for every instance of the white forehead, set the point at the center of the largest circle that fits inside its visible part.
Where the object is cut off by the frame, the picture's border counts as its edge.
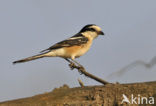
(97, 28)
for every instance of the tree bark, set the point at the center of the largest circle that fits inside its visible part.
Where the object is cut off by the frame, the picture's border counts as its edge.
(104, 95)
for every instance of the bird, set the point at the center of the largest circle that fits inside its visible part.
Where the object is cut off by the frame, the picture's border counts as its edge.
(70, 48)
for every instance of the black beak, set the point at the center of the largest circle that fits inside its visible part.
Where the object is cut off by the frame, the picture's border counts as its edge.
(101, 33)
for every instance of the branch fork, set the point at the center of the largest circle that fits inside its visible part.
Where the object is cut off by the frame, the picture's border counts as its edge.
(82, 70)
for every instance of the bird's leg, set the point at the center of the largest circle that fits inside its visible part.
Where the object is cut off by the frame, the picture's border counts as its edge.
(71, 65)
(79, 67)
(77, 63)
(68, 60)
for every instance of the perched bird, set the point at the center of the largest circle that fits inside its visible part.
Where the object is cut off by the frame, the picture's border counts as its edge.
(72, 47)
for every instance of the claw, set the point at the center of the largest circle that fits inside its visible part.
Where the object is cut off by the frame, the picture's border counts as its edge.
(71, 65)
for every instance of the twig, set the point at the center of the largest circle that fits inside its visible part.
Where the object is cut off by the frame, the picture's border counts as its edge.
(81, 83)
(82, 70)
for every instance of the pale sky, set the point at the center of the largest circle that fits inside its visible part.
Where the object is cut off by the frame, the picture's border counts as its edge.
(29, 26)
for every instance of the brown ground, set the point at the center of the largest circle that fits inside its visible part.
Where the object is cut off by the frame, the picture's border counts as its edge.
(108, 95)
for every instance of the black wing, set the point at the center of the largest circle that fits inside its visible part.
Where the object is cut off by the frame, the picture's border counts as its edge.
(77, 39)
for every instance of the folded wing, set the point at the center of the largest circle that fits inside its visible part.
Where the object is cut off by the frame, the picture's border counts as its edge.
(78, 40)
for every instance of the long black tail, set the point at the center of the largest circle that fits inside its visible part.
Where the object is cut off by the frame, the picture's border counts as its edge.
(29, 58)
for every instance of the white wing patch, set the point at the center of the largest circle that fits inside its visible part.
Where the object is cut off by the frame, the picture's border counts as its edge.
(72, 38)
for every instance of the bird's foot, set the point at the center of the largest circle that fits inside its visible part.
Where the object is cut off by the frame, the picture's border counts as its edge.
(72, 65)
(79, 67)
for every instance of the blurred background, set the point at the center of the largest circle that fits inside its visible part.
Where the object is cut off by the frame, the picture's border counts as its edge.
(125, 54)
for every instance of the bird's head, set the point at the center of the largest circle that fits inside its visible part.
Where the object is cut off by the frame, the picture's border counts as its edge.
(91, 30)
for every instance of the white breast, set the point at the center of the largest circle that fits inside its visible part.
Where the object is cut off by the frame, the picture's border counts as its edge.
(84, 49)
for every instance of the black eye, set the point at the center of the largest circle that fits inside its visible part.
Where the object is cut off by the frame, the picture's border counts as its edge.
(92, 29)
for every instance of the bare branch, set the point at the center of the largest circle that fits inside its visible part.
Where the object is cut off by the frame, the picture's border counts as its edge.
(82, 70)
(81, 83)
